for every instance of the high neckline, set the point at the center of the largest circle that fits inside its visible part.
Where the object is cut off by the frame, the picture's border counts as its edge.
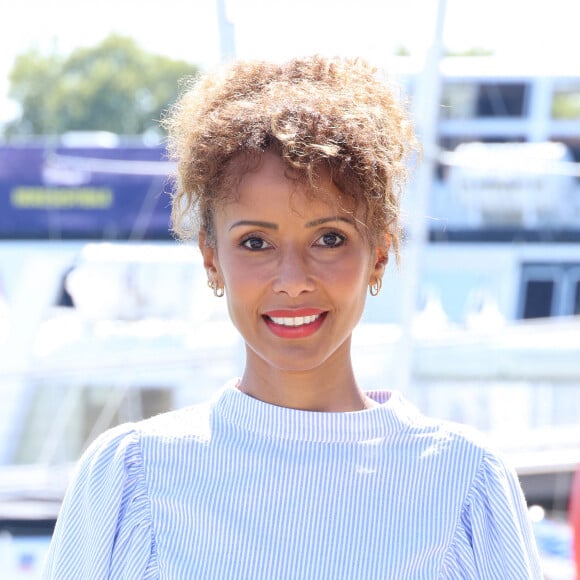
(253, 415)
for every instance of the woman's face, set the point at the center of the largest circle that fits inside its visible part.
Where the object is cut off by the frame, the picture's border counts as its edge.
(296, 269)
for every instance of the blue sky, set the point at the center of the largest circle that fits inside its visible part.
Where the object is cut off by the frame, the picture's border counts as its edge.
(515, 29)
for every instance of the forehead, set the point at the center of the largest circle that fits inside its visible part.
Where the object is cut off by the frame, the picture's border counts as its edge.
(267, 179)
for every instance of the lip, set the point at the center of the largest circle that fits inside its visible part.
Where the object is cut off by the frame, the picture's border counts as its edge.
(302, 331)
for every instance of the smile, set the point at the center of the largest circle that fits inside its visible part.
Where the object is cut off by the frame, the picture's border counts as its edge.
(295, 324)
(294, 320)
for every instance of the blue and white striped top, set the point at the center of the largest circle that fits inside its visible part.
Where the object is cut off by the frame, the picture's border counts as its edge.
(237, 488)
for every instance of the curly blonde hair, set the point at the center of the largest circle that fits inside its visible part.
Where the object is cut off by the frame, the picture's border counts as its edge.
(314, 112)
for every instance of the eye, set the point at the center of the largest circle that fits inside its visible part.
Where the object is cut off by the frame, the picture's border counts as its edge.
(255, 243)
(331, 240)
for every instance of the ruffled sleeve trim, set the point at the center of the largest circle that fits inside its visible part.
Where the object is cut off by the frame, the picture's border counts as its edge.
(494, 537)
(104, 529)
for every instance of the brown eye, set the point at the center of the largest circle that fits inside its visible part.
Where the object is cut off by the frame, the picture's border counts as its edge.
(331, 240)
(255, 243)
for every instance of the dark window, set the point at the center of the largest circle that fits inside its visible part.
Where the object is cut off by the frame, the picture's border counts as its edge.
(538, 298)
(501, 100)
(550, 289)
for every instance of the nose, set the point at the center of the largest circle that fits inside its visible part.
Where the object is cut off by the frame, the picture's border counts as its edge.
(293, 276)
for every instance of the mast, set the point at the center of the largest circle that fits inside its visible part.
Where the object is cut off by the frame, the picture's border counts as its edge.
(226, 31)
(426, 104)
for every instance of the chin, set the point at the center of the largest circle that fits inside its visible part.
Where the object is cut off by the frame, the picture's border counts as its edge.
(297, 360)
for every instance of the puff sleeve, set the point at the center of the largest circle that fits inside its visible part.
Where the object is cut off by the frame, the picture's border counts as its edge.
(494, 537)
(104, 527)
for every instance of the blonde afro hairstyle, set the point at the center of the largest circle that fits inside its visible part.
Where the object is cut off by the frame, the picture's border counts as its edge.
(314, 112)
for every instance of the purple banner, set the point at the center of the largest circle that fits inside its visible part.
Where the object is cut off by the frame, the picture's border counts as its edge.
(84, 193)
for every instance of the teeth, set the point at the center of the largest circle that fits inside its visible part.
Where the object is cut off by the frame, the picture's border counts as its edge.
(295, 320)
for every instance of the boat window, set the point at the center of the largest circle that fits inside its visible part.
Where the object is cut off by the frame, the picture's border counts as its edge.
(566, 100)
(104, 407)
(463, 100)
(539, 299)
(81, 414)
(501, 100)
(550, 290)
(574, 290)
(457, 100)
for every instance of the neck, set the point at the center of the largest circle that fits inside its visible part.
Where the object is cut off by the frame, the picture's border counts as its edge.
(329, 388)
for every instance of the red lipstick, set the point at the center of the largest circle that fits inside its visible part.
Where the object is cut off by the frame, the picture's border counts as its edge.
(288, 328)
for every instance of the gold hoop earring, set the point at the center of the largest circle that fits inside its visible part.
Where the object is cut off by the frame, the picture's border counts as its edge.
(375, 288)
(218, 291)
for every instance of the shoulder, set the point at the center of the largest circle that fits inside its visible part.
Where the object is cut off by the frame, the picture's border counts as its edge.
(104, 522)
(470, 461)
(120, 448)
(115, 445)
(438, 436)
(453, 451)
(118, 462)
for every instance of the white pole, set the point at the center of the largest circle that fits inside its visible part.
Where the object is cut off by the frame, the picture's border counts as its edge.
(226, 30)
(426, 103)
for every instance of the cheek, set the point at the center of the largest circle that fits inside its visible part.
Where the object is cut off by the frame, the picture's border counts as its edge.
(353, 271)
(240, 277)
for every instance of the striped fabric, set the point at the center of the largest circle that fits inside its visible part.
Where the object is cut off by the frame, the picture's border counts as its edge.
(237, 488)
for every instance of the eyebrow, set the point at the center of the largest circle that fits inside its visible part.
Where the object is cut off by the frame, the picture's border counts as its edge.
(273, 226)
(258, 224)
(334, 218)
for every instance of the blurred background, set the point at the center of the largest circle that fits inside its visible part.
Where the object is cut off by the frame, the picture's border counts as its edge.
(105, 318)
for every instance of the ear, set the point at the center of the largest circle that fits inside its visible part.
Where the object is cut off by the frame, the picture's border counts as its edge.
(381, 256)
(210, 260)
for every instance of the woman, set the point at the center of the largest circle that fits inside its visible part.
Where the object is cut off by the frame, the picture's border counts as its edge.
(290, 176)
